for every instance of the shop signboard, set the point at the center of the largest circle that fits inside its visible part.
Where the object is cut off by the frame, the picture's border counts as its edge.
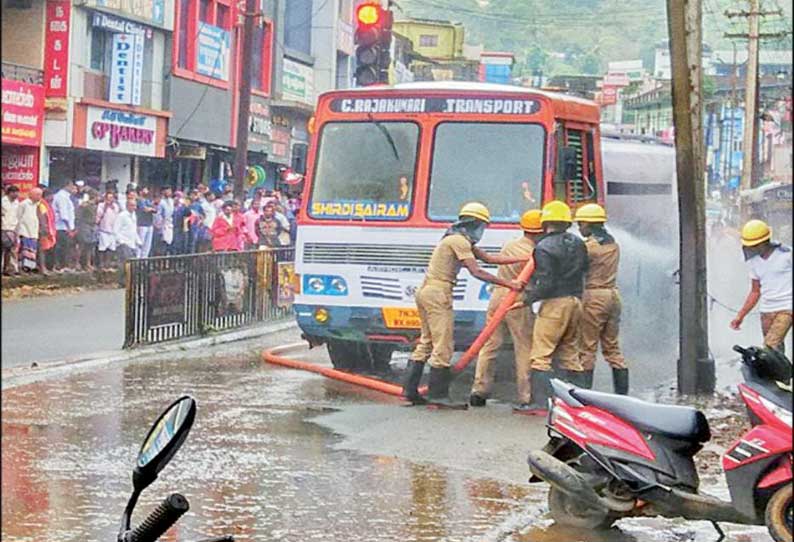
(126, 70)
(56, 47)
(609, 95)
(120, 131)
(147, 10)
(23, 113)
(298, 82)
(214, 44)
(119, 25)
(20, 166)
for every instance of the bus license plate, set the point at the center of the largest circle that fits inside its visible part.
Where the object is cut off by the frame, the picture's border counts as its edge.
(401, 318)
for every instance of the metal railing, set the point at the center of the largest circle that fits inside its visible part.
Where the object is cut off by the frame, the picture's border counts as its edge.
(174, 297)
(26, 74)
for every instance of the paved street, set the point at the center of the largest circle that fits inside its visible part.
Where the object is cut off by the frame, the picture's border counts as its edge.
(61, 326)
(278, 454)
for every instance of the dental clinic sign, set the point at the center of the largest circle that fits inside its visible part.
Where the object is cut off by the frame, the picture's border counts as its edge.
(120, 131)
(126, 69)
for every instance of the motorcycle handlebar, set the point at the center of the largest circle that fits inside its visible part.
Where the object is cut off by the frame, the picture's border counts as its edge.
(160, 519)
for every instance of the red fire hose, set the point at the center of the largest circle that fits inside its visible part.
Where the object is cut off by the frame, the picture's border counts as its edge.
(274, 355)
(498, 316)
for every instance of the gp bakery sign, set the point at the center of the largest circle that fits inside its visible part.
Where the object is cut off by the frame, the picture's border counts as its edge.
(120, 131)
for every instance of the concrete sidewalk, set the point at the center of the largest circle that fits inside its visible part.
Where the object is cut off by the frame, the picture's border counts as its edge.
(58, 327)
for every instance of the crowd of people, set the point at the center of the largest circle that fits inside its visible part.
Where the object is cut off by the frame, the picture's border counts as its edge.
(77, 228)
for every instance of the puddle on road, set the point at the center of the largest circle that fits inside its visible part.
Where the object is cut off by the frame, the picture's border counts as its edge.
(254, 466)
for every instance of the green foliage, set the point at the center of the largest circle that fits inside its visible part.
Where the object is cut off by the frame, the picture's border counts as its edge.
(578, 36)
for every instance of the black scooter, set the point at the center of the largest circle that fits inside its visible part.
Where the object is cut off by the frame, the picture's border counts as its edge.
(164, 439)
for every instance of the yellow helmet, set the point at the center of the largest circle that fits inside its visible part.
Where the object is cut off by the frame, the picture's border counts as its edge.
(755, 232)
(555, 211)
(475, 210)
(592, 213)
(530, 221)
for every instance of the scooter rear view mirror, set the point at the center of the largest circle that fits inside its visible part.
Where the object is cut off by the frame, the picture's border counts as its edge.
(163, 440)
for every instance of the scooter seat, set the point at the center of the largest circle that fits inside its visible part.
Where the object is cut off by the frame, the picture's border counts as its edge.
(678, 422)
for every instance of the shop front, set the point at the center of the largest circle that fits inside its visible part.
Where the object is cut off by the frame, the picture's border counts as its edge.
(23, 117)
(111, 145)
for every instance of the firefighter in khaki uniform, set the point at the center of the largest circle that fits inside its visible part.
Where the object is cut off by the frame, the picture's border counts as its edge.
(518, 322)
(434, 301)
(555, 294)
(601, 304)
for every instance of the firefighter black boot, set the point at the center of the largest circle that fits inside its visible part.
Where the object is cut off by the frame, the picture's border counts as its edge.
(587, 380)
(540, 383)
(413, 376)
(577, 378)
(438, 389)
(620, 381)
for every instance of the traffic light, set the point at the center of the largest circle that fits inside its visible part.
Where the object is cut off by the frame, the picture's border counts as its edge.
(373, 40)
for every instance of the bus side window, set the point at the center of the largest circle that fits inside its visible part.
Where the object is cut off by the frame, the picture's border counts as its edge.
(565, 167)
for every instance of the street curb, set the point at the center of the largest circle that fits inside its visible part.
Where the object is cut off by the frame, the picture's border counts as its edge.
(19, 376)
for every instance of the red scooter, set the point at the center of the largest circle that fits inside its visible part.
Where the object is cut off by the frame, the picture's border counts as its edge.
(612, 456)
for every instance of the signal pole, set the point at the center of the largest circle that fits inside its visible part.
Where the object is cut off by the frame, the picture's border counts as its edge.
(695, 366)
(244, 104)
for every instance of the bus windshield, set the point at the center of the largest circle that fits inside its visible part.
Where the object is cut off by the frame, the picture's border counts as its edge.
(365, 170)
(497, 164)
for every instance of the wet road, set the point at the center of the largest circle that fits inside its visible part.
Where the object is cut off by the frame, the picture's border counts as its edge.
(57, 327)
(277, 454)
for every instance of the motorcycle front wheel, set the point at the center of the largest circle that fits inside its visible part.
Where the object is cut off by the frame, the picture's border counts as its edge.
(779, 516)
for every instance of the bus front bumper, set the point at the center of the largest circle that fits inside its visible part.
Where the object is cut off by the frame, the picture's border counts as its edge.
(366, 324)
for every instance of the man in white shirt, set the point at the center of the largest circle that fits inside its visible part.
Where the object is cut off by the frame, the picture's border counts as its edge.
(28, 229)
(769, 266)
(63, 206)
(125, 230)
(10, 221)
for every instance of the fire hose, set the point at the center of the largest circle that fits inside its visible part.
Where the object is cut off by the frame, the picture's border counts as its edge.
(274, 355)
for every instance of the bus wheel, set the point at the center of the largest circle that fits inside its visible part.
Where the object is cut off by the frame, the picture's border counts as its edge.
(344, 354)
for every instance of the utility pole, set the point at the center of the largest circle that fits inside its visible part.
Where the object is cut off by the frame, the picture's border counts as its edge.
(244, 106)
(734, 79)
(695, 366)
(751, 85)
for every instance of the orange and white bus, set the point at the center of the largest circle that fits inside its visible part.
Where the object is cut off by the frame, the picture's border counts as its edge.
(388, 170)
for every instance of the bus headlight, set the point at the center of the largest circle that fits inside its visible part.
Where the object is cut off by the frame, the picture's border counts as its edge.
(324, 285)
(485, 292)
(316, 285)
(339, 285)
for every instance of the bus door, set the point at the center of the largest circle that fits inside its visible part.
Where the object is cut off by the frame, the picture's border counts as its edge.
(576, 178)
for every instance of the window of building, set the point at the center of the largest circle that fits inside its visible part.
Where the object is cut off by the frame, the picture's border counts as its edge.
(262, 57)
(197, 22)
(428, 40)
(298, 26)
(101, 42)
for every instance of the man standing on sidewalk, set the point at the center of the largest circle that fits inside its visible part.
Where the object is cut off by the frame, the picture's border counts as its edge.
(125, 230)
(518, 322)
(28, 229)
(145, 216)
(770, 267)
(64, 226)
(10, 221)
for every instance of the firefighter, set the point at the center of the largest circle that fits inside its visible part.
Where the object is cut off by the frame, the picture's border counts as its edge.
(434, 300)
(601, 303)
(555, 295)
(518, 322)
(769, 266)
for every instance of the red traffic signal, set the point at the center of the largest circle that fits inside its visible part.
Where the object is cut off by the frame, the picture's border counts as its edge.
(368, 14)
